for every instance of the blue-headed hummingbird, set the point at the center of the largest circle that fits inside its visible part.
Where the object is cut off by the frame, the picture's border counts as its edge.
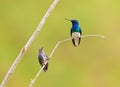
(75, 32)
(42, 57)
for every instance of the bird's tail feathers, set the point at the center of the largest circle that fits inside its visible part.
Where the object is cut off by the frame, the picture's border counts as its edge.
(76, 41)
(46, 67)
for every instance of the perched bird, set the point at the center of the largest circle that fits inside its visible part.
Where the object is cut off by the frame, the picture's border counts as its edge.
(42, 57)
(75, 32)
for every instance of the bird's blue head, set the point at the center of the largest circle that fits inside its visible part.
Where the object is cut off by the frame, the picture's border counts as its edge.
(74, 22)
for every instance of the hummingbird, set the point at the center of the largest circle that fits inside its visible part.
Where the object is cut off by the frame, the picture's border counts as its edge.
(42, 57)
(75, 32)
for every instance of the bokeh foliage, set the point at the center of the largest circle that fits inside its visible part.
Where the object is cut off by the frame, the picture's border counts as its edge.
(95, 63)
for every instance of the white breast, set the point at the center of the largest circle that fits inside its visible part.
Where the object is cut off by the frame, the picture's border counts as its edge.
(75, 34)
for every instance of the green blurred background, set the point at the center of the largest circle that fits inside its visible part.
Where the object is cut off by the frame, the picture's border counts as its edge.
(95, 63)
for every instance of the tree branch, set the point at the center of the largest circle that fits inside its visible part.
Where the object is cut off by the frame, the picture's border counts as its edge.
(58, 43)
(51, 54)
(25, 48)
(93, 35)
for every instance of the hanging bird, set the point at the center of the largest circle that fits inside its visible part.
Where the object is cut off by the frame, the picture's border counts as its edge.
(75, 32)
(42, 57)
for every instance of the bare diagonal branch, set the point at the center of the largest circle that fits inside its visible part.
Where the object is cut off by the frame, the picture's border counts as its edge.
(51, 54)
(58, 43)
(27, 45)
(33, 81)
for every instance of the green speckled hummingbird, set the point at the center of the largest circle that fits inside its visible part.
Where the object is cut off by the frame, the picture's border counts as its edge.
(75, 32)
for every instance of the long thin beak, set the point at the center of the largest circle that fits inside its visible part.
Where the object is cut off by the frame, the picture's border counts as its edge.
(67, 19)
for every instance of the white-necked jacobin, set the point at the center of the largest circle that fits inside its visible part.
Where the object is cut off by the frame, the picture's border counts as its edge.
(42, 57)
(75, 32)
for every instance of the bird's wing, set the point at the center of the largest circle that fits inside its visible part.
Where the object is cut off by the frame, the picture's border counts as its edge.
(80, 31)
(45, 56)
(41, 59)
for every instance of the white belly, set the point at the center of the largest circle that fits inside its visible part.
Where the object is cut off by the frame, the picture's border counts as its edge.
(76, 36)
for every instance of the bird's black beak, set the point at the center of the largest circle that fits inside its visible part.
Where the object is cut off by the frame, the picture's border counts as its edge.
(68, 19)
